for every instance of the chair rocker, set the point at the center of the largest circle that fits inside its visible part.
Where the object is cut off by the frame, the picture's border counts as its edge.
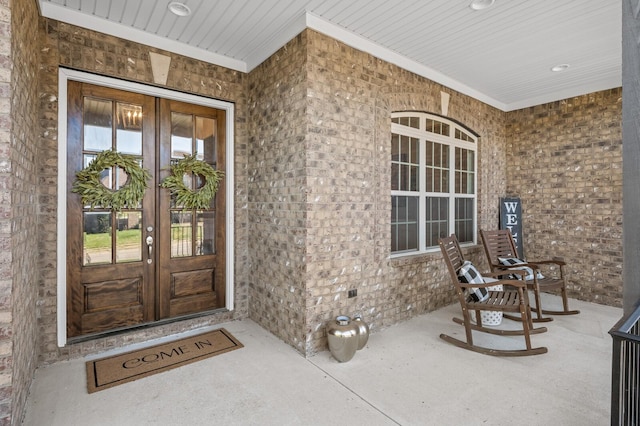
(499, 245)
(507, 301)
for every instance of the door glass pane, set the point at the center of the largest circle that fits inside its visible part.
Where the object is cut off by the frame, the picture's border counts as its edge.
(181, 135)
(206, 235)
(181, 234)
(97, 238)
(188, 182)
(129, 237)
(105, 175)
(98, 120)
(129, 129)
(205, 139)
(121, 178)
(88, 159)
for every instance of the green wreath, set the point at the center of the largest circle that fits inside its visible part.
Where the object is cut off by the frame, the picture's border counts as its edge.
(188, 198)
(94, 193)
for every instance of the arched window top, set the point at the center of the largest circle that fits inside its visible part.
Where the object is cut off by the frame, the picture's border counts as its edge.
(432, 123)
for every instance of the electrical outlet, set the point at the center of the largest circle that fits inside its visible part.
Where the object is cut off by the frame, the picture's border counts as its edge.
(353, 293)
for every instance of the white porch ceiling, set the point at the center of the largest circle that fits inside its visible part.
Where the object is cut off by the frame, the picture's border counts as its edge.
(501, 55)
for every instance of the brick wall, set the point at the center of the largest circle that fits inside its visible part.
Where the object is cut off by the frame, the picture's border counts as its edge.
(6, 183)
(18, 220)
(74, 47)
(319, 189)
(565, 162)
(351, 97)
(278, 199)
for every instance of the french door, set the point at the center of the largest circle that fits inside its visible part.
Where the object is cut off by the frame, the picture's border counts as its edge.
(158, 260)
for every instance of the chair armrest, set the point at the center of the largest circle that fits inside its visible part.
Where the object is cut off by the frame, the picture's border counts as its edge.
(549, 262)
(512, 269)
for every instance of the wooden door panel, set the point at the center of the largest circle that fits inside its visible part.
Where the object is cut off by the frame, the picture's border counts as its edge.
(112, 294)
(191, 283)
(193, 290)
(191, 304)
(190, 280)
(106, 294)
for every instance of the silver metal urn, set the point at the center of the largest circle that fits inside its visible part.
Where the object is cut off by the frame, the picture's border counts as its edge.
(363, 331)
(343, 338)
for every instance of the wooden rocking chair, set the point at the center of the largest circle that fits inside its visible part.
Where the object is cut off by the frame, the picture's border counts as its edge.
(515, 301)
(500, 245)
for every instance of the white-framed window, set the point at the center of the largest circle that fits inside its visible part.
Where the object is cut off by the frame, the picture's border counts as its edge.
(433, 182)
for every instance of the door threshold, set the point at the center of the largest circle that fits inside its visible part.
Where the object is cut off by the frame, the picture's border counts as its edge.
(123, 330)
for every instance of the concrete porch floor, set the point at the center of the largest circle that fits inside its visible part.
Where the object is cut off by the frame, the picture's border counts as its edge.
(406, 375)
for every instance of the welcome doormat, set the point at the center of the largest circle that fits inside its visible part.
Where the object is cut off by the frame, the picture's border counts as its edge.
(118, 369)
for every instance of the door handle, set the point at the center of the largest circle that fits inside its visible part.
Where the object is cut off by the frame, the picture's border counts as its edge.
(149, 247)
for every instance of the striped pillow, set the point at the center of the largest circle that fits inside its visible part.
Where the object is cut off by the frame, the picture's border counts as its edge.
(508, 261)
(469, 274)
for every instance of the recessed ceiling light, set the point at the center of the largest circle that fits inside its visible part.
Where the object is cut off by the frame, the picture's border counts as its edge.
(560, 68)
(481, 4)
(179, 9)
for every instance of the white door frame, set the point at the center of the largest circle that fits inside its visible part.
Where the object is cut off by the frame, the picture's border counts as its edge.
(64, 75)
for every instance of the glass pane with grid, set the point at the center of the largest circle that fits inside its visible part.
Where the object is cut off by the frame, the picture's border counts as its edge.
(464, 219)
(404, 223)
(404, 163)
(437, 222)
(437, 167)
(465, 173)
(436, 126)
(110, 125)
(459, 134)
(407, 121)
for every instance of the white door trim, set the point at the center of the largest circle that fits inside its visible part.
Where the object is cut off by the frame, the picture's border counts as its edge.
(64, 75)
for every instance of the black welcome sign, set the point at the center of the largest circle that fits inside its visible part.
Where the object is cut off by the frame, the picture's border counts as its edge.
(511, 219)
